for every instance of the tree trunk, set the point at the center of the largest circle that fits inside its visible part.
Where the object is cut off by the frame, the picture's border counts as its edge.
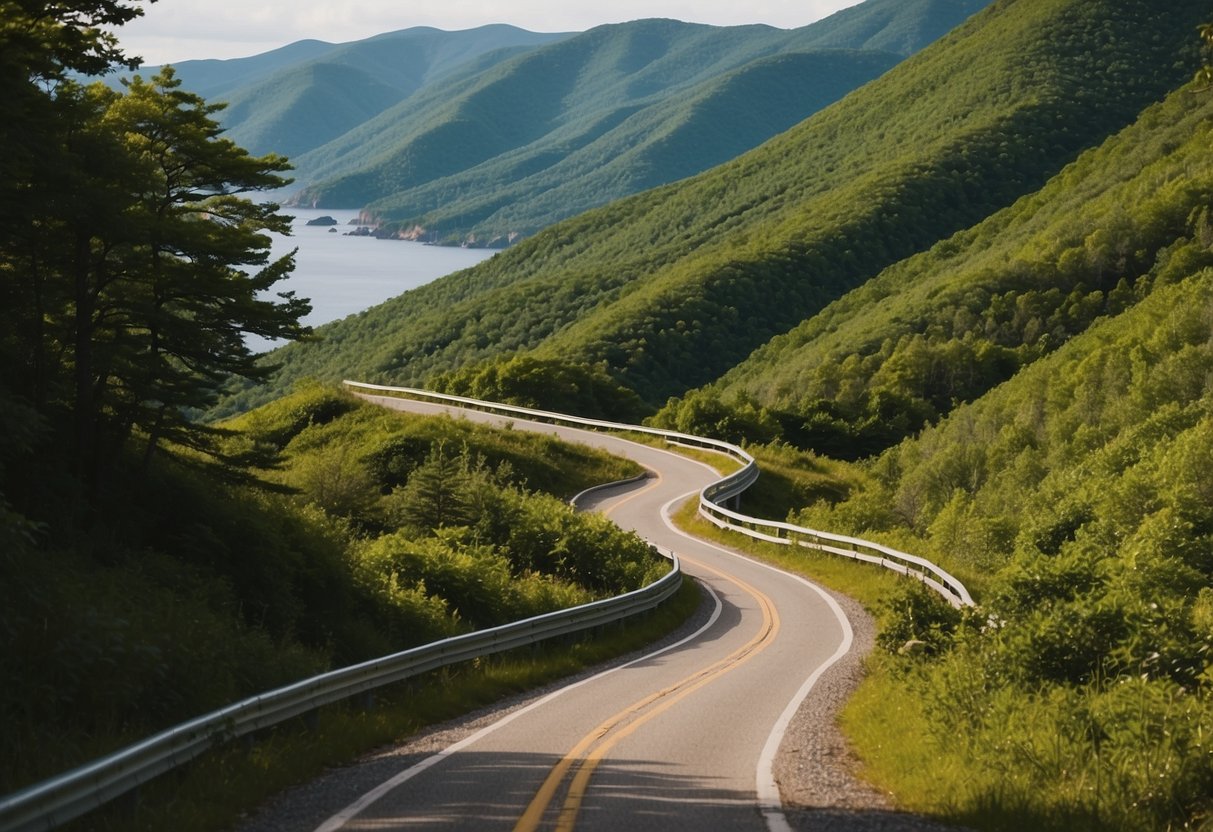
(85, 405)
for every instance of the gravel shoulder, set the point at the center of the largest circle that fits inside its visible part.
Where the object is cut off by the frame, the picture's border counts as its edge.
(817, 771)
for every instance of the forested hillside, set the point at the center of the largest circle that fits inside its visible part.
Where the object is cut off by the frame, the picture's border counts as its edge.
(366, 533)
(486, 135)
(1075, 496)
(893, 25)
(304, 95)
(305, 106)
(671, 288)
(598, 116)
(986, 277)
(946, 326)
(628, 148)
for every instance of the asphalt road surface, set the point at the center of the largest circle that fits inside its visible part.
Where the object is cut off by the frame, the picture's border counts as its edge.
(679, 739)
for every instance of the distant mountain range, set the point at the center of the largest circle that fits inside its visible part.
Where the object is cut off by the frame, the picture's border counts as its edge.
(297, 98)
(492, 134)
(671, 288)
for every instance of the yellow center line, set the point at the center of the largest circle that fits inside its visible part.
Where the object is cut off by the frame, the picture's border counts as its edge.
(654, 484)
(587, 757)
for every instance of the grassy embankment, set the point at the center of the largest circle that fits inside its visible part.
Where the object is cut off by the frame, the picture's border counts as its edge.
(198, 589)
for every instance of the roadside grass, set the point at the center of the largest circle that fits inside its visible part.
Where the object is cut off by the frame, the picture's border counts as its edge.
(883, 720)
(718, 461)
(891, 734)
(224, 785)
(865, 583)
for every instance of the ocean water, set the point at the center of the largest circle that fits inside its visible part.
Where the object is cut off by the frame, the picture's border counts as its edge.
(343, 275)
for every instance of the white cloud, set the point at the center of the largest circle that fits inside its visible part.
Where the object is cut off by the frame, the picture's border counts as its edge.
(178, 30)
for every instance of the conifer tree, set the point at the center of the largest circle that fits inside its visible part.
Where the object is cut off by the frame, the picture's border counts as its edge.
(132, 263)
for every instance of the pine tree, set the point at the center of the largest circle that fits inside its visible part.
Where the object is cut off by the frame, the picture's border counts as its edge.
(132, 263)
(436, 493)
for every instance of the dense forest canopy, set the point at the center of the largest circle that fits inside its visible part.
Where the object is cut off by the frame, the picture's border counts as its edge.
(671, 288)
(948, 325)
(520, 138)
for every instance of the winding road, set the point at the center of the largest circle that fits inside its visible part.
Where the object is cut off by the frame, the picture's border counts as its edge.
(681, 738)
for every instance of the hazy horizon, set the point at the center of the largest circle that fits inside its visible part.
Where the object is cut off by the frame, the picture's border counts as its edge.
(185, 30)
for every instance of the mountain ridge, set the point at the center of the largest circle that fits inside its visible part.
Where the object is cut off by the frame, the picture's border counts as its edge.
(402, 177)
(670, 288)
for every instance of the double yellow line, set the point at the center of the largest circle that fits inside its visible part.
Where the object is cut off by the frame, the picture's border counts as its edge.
(585, 756)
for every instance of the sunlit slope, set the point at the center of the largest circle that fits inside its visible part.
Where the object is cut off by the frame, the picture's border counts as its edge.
(632, 148)
(938, 143)
(902, 26)
(1078, 493)
(947, 325)
(673, 287)
(538, 107)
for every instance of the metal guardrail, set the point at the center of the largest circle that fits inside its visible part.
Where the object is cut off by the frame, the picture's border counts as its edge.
(53, 802)
(712, 497)
(58, 800)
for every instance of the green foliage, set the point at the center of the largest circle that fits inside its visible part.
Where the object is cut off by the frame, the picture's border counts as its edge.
(915, 621)
(131, 276)
(1084, 700)
(191, 591)
(607, 113)
(544, 383)
(1075, 493)
(892, 25)
(474, 583)
(672, 287)
(653, 131)
(703, 414)
(281, 421)
(436, 493)
(303, 104)
(944, 327)
(1205, 73)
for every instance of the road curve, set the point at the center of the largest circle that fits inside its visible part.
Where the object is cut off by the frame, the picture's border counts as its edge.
(681, 738)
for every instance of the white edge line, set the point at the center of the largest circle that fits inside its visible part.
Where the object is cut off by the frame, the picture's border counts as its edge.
(770, 804)
(769, 801)
(347, 814)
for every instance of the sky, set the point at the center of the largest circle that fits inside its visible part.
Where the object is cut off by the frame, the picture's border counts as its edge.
(172, 31)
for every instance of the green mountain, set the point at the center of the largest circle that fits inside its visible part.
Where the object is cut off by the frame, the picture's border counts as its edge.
(631, 149)
(604, 114)
(671, 288)
(305, 106)
(304, 95)
(1075, 496)
(893, 25)
(947, 325)
(218, 78)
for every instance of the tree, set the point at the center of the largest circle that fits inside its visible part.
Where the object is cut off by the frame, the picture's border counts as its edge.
(1205, 73)
(131, 261)
(436, 493)
(186, 300)
(41, 44)
(154, 266)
